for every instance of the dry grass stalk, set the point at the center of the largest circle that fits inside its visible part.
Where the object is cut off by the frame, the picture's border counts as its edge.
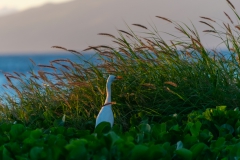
(230, 4)
(164, 18)
(207, 24)
(125, 32)
(105, 66)
(106, 34)
(228, 17)
(149, 85)
(173, 44)
(16, 90)
(73, 64)
(168, 89)
(100, 91)
(237, 59)
(14, 77)
(58, 61)
(35, 77)
(5, 86)
(60, 83)
(17, 74)
(8, 79)
(208, 19)
(73, 51)
(80, 84)
(140, 48)
(210, 31)
(49, 73)
(188, 54)
(196, 41)
(238, 27)
(225, 26)
(228, 28)
(123, 45)
(125, 52)
(139, 25)
(171, 83)
(106, 55)
(151, 48)
(32, 62)
(57, 76)
(42, 75)
(180, 30)
(66, 67)
(150, 41)
(193, 33)
(59, 47)
(92, 48)
(46, 66)
(102, 46)
(61, 60)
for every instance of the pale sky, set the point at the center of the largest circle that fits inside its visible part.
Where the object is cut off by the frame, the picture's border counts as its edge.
(22, 32)
(9, 6)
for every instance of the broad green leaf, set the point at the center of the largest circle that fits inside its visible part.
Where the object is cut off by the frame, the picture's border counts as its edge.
(36, 133)
(158, 130)
(77, 149)
(158, 152)
(205, 135)
(70, 132)
(218, 145)
(36, 152)
(139, 152)
(235, 151)
(196, 128)
(5, 127)
(16, 130)
(6, 154)
(13, 147)
(29, 141)
(208, 114)
(188, 126)
(197, 149)
(189, 140)
(145, 128)
(184, 154)
(175, 127)
(102, 128)
(163, 127)
(221, 108)
(113, 136)
(22, 157)
(228, 127)
(140, 138)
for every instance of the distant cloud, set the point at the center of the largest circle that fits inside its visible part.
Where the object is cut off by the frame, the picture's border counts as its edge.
(7, 10)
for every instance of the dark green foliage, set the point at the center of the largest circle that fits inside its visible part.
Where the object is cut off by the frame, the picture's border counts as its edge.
(191, 139)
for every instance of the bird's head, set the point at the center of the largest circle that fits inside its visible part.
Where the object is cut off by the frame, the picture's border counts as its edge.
(112, 78)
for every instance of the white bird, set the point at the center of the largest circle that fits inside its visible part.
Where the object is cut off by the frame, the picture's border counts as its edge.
(106, 114)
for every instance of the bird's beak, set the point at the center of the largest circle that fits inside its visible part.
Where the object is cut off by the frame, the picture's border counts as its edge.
(119, 78)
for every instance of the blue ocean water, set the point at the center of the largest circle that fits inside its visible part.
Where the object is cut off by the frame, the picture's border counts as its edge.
(22, 64)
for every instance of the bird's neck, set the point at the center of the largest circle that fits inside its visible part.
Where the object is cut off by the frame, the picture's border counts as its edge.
(108, 89)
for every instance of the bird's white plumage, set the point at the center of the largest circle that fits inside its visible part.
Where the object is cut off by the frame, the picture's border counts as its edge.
(106, 114)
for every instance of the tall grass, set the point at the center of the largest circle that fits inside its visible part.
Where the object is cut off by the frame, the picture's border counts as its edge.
(159, 78)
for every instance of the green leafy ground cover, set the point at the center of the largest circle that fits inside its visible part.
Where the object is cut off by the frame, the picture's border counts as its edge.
(165, 104)
(212, 134)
